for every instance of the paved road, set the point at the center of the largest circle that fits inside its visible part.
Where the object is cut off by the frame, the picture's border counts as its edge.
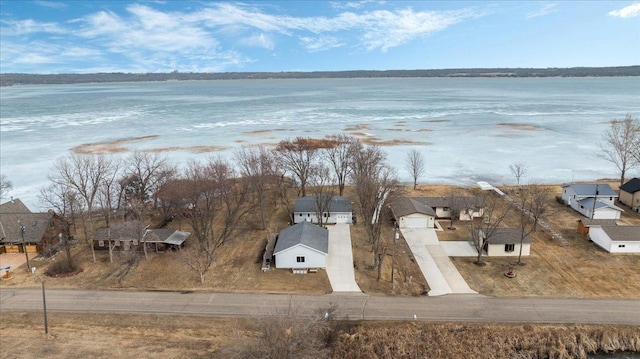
(340, 259)
(467, 307)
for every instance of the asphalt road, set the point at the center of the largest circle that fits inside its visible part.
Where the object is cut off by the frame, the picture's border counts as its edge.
(453, 307)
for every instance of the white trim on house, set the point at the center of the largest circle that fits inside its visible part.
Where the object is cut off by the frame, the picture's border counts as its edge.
(290, 258)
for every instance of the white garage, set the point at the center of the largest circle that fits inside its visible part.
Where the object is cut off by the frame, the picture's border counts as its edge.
(411, 213)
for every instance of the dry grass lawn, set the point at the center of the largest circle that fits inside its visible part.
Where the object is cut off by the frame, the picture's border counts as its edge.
(579, 270)
(115, 336)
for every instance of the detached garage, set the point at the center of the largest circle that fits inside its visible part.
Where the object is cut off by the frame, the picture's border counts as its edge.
(411, 213)
(616, 239)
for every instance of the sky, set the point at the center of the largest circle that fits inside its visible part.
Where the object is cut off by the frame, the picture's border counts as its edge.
(48, 36)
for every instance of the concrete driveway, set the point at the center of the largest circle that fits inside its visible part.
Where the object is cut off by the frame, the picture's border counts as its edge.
(340, 260)
(438, 270)
(14, 260)
(459, 249)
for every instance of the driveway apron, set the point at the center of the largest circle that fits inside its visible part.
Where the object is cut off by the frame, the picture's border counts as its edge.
(340, 260)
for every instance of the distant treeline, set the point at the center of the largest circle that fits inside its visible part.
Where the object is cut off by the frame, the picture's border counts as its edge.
(24, 79)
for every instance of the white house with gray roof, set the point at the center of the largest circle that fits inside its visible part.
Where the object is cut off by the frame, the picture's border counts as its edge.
(616, 239)
(505, 242)
(410, 212)
(302, 246)
(595, 201)
(340, 210)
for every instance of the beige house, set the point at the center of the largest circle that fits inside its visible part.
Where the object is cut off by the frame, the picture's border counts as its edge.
(630, 194)
(505, 242)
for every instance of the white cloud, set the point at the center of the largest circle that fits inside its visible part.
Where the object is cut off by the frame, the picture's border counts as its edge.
(545, 9)
(629, 11)
(258, 40)
(26, 27)
(322, 43)
(51, 4)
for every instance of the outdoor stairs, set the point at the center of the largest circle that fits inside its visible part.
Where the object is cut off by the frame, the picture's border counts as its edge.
(554, 234)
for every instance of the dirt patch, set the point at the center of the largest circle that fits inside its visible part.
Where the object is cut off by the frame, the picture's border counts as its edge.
(116, 146)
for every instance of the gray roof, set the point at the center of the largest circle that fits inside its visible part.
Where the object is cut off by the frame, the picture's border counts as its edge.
(35, 227)
(507, 236)
(309, 204)
(126, 231)
(404, 206)
(623, 233)
(588, 222)
(166, 235)
(589, 189)
(304, 233)
(632, 186)
(588, 203)
(14, 206)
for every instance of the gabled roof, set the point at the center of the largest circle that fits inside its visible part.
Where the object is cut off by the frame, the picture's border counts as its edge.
(588, 203)
(589, 189)
(14, 206)
(507, 236)
(126, 231)
(632, 186)
(309, 204)
(35, 226)
(622, 233)
(304, 233)
(404, 206)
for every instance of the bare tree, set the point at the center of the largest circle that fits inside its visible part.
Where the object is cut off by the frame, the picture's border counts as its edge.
(519, 170)
(297, 156)
(321, 181)
(375, 186)
(5, 185)
(66, 204)
(620, 144)
(107, 195)
(144, 174)
(257, 166)
(339, 155)
(455, 203)
(483, 229)
(415, 165)
(84, 175)
(533, 203)
(218, 202)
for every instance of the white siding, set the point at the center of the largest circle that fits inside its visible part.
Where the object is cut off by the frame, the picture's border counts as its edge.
(416, 220)
(497, 250)
(600, 237)
(606, 213)
(335, 217)
(313, 258)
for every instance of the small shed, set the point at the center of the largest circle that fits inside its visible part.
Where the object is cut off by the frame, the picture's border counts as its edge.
(505, 242)
(586, 223)
(301, 247)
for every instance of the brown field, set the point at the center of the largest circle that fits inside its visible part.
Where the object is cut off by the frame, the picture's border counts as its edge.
(115, 336)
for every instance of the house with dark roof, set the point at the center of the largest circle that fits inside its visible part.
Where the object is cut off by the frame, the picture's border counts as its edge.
(301, 247)
(616, 239)
(505, 242)
(421, 212)
(592, 200)
(630, 194)
(337, 209)
(21, 230)
(133, 235)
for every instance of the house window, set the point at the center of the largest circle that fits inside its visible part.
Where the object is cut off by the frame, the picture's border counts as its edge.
(509, 247)
(300, 214)
(324, 215)
(101, 243)
(300, 259)
(621, 245)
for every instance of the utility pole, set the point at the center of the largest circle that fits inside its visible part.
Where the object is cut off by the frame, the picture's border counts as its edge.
(24, 244)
